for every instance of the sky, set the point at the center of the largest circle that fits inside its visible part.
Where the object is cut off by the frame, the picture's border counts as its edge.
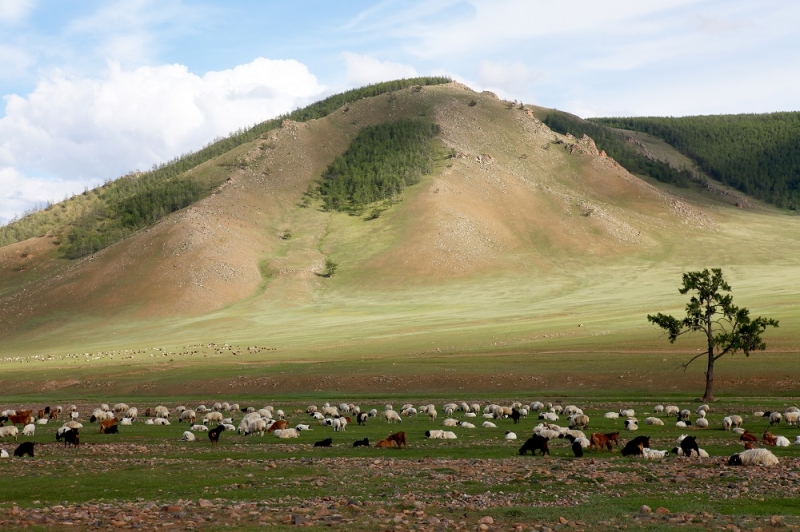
(92, 90)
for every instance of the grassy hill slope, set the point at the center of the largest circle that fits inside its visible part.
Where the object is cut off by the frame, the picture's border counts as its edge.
(526, 255)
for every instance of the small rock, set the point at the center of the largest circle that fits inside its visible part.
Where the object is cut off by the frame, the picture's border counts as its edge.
(563, 520)
(486, 520)
(776, 521)
(483, 527)
(298, 519)
(204, 503)
(645, 509)
(662, 511)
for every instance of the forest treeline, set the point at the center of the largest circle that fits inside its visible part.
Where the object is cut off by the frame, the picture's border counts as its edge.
(616, 146)
(379, 164)
(109, 213)
(758, 154)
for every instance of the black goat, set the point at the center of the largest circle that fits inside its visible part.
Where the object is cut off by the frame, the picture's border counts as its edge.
(24, 448)
(636, 446)
(324, 443)
(214, 433)
(533, 444)
(689, 444)
(361, 443)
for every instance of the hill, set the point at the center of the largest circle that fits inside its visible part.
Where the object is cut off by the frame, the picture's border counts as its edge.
(520, 255)
(756, 154)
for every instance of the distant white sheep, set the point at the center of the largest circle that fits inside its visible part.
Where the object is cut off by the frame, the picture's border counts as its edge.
(3, 453)
(126, 421)
(470, 414)
(775, 418)
(199, 428)
(42, 421)
(188, 436)
(441, 435)
(658, 409)
(466, 425)
(161, 421)
(11, 430)
(797, 440)
(513, 436)
(300, 427)
(701, 423)
(212, 417)
(488, 425)
(548, 416)
(652, 454)
(450, 422)
(781, 441)
(286, 433)
(627, 412)
(611, 415)
(392, 416)
(29, 430)
(654, 421)
(791, 418)
(731, 422)
(631, 424)
(681, 424)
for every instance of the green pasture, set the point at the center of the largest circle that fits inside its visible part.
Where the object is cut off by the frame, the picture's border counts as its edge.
(146, 462)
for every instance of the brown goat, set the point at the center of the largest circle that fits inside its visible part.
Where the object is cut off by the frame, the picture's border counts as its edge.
(399, 438)
(598, 441)
(104, 425)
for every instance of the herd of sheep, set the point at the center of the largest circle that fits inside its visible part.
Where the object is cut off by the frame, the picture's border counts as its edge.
(220, 417)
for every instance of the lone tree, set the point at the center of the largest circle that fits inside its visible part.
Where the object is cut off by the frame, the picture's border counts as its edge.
(727, 328)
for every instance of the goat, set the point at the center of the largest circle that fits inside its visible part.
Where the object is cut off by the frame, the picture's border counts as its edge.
(533, 444)
(214, 433)
(399, 438)
(598, 441)
(636, 446)
(689, 444)
(324, 443)
(24, 448)
(361, 443)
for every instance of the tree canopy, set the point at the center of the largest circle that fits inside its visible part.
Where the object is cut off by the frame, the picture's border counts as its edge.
(710, 310)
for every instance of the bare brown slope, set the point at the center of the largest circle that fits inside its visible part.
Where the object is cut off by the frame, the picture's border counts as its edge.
(515, 196)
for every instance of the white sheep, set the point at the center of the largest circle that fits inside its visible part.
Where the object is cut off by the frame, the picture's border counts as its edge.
(781, 441)
(408, 412)
(188, 436)
(132, 412)
(679, 452)
(627, 412)
(584, 442)
(126, 421)
(215, 417)
(793, 409)
(681, 424)
(432, 414)
(253, 426)
(471, 414)
(3, 453)
(548, 434)
(188, 415)
(450, 422)
(548, 416)
(671, 410)
(119, 408)
(775, 418)
(467, 425)
(513, 436)
(447, 435)
(228, 426)
(434, 434)
(42, 421)
(739, 431)
(11, 430)
(318, 416)
(216, 407)
(339, 424)
(754, 457)
(791, 418)
(161, 421)
(729, 422)
(488, 425)
(611, 415)
(199, 428)
(577, 434)
(29, 430)
(536, 406)
(300, 427)
(73, 425)
(701, 423)
(684, 414)
(654, 421)
(703, 408)
(580, 421)
(392, 416)
(491, 416)
(104, 407)
(571, 410)
(658, 409)
(149, 421)
(797, 440)
(652, 454)
(286, 433)
(631, 424)
(75, 416)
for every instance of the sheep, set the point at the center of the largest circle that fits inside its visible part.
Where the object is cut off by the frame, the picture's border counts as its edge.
(631, 424)
(658, 409)
(548, 434)
(470, 414)
(701, 423)
(681, 424)
(286, 433)
(393, 417)
(199, 428)
(229, 426)
(702, 414)
(119, 408)
(466, 425)
(627, 412)
(300, 427)
(11, 430)
(754, 457)
(374, 412)
(781, 441)
(579, 421)
(440, 435)
(362, 417)
(611, 415)
(450, 422)
(408, 412)
(654, 421)
(319, 416)
(212, 417)
(72, 425)
(652, 454)
(42, 421)
(536, 406)
(797, 440)
(775, 418)
(689, 445)
(216, 407)
(330, 411)
(488, 425)
(29, 430)
(791, 418)
(161, 421)
(793, 409)
(684, 414)
(636, 446)
(739, 430)
(548, 416)
(75, 416)
(464, 407)
(432, 414)
(253, 426)
(311, 409)
(3, 453)
(671, 410)
(703, 408)
(730, 422)
(513, 436)
(758, 413)
(188, 415)
(339, 424)
(566, 433)
(556, 409)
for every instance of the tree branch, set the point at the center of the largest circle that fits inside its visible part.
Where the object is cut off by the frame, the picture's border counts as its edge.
(686, 365)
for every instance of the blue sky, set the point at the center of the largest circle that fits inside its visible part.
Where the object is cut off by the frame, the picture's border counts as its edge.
(92, 90)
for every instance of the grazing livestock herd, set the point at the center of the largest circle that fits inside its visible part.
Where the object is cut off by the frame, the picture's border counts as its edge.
(269, 420)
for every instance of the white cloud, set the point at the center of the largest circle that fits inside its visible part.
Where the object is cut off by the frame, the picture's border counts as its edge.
(508, 79)
(87, 130)
(15, 10)
(363, 70)
(13, 61)
(19, 193)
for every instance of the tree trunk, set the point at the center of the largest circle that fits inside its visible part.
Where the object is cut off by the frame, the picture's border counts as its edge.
(708, 396)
